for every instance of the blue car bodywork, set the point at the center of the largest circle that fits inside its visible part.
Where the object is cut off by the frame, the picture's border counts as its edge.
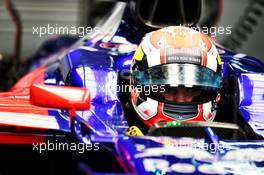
(101, 62)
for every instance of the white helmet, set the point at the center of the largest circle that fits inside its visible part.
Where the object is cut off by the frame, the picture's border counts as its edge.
(182, 69)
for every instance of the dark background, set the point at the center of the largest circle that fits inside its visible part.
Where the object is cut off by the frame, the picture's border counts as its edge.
(87, 12)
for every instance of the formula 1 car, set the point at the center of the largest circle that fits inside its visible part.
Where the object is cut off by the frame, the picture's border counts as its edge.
(67, 116)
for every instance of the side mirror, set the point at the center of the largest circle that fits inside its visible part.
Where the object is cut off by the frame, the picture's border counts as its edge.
(71, 98)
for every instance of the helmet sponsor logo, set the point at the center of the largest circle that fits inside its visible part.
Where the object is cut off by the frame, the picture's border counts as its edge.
(184, 55)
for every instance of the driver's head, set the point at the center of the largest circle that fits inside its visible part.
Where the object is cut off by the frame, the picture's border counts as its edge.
(176, 75)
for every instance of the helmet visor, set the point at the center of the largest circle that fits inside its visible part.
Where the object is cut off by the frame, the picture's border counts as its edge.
(175, 75)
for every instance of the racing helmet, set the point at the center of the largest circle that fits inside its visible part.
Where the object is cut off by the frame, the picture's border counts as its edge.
(175, 76)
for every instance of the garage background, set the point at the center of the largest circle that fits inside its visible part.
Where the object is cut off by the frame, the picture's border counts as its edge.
(88, 12)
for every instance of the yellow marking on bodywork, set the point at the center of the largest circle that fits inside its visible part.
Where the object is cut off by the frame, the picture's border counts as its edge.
(219, 60)
(134, 131)
(139, 54)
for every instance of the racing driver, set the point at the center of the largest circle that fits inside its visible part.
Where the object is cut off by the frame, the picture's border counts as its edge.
(183, 68)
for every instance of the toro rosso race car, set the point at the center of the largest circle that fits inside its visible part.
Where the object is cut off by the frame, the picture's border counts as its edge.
(79, 110)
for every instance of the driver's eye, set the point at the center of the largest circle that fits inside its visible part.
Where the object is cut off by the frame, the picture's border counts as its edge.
(180, 95)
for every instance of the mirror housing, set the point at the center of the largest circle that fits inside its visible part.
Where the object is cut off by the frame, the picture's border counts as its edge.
(72, 98)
